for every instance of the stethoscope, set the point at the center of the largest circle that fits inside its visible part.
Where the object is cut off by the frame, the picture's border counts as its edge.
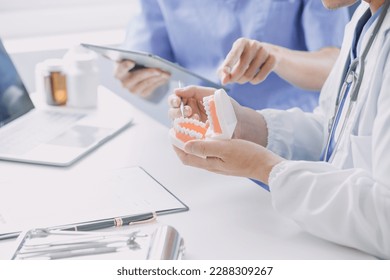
(352, 82)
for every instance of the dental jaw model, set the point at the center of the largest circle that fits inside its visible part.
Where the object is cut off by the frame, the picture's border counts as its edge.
(221, 122)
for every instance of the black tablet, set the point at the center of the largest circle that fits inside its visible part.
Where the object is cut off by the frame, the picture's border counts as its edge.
(147, 60)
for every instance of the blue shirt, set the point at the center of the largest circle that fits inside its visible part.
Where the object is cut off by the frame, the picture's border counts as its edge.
(199, 34)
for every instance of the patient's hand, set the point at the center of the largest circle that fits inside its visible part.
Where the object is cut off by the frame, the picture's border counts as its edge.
(192, 96)
(142, 82)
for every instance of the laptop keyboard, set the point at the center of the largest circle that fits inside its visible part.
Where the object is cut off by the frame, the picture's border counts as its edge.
(39, 128)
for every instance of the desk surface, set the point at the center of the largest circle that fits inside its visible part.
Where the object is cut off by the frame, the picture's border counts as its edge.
(229, 217)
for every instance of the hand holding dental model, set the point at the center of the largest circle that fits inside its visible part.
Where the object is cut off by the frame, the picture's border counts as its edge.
(220, 124)
(203, 137)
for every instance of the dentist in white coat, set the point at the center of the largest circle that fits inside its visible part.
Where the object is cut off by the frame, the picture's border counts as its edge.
(328, 170)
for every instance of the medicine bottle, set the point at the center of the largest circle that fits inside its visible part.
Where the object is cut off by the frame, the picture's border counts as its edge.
(54, 82)
(82, 77)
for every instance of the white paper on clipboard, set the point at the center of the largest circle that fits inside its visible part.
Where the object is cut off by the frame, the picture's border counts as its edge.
(40, 202)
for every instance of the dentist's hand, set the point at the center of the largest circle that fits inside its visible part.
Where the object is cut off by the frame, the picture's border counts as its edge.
(230, 157)
(250, 126)
(192, 96)
(248, 61)
(242, 156)
(141, 82)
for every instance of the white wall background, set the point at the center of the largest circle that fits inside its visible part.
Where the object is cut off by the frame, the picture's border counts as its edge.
(26, 18)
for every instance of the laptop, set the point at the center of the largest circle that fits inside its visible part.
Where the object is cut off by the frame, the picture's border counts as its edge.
(50, 136)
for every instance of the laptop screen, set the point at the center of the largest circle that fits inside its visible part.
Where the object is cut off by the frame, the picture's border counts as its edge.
(14, 98)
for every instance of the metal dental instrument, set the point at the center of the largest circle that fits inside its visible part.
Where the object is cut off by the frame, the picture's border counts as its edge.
(108, 243)
(181, 102)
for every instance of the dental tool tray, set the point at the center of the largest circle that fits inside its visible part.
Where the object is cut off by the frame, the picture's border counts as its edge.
(151, 242)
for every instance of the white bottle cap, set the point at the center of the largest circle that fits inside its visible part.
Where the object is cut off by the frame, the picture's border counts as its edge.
(53, 64)
(80, 57)
(80, 65)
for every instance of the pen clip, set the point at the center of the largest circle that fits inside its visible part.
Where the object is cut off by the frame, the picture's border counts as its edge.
(153, 218)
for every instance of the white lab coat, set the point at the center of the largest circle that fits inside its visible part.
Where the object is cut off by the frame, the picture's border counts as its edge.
(346, 201)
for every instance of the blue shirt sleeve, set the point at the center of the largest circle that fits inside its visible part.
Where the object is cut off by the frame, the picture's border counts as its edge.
(148, 32)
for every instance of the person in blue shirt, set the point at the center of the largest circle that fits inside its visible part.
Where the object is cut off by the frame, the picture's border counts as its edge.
(297, 38)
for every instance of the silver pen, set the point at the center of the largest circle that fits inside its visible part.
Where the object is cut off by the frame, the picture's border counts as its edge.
(97, 224)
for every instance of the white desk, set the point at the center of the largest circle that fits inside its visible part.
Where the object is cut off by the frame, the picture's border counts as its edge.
(229, 218)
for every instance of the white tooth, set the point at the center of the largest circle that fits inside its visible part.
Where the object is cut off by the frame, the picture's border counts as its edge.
(195, 134)
(206, 105)
(197, 123)
(176, 122)
(179, 129)
(210, 119)
(189, 132)
(201, 124)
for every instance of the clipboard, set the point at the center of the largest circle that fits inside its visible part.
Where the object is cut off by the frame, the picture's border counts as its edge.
(83, 198)
(148, 60)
